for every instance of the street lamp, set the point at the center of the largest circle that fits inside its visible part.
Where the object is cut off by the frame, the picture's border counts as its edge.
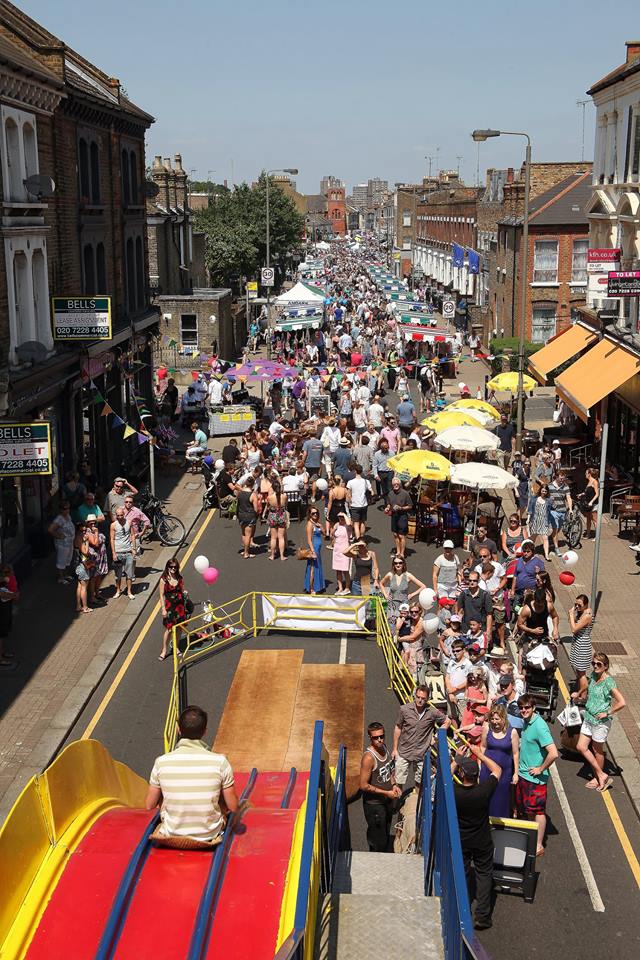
(293, 171)
(480, 136)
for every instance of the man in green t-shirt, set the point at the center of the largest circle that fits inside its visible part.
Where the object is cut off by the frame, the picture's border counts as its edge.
(537, 753)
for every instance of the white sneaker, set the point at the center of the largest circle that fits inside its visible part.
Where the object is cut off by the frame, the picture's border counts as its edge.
(635, 547)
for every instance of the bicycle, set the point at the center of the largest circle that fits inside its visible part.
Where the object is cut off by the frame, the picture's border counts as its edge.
(573, 528)
(170, 530)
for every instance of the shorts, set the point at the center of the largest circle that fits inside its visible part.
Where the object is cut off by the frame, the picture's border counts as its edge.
(123, 564)
(82, 573)
(558, 517)
(499, 615)
(313, 471)
(531, 798)
(406, 431)
(402, 770)
(359, 514)
(598, 732)
(399, 524)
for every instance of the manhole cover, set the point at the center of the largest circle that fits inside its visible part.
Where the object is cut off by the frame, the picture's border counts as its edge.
(613, 648)
(192, 486)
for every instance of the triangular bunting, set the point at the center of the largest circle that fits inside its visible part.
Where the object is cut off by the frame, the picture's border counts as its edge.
(98, 398)
(117, 421)
(128, 431)
(142, 438)
(106, 410)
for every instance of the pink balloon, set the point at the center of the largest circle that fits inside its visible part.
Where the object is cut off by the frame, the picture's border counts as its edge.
(210, 575)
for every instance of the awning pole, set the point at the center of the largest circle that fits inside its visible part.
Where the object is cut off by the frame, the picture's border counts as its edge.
(595, 599)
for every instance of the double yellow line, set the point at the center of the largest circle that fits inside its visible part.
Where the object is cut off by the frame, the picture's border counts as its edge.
(104, 703)
(612, 810)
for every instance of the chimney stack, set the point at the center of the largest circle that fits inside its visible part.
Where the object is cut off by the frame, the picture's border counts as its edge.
(633, 50)
(181, 182)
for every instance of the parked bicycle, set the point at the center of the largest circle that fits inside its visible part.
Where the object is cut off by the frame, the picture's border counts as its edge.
(170, 530)
(573, 528)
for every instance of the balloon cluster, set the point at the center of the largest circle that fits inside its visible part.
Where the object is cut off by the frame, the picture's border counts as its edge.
(427, 599)
(209, 574)
(570, 558)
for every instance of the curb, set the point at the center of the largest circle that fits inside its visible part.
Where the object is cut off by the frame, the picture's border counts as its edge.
(59, 726)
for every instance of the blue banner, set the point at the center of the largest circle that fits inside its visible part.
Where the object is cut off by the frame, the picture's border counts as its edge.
(458, 255)
(474, 261)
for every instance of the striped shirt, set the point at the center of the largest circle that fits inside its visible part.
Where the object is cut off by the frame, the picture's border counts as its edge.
(191, 778)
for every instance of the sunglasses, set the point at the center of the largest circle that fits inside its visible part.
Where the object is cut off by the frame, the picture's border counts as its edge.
(379, 736)
(597, 663)
(527, 709)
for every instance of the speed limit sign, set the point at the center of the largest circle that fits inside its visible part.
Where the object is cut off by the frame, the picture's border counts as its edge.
(448, 309)
(268, 275)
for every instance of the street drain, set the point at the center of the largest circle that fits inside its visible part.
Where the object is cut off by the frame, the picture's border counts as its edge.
(613, 648)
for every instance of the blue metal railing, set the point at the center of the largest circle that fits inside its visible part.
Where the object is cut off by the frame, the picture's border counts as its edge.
(215, 879)
(444, 866)
(339, 837)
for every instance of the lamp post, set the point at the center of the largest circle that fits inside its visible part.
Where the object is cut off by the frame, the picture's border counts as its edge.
(293, 171)
(479, 136)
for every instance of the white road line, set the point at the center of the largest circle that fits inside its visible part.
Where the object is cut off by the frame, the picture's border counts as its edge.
(343, 649)
(581, 853)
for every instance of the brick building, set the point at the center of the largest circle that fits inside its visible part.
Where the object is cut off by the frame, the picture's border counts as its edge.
(65, 119)
(557, 260)
(405, 204)
(336, 209)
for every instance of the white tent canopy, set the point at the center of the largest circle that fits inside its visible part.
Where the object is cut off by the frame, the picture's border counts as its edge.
(300, 296)
(322, 245)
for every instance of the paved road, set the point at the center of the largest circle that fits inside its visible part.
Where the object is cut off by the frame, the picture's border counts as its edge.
(562, 922)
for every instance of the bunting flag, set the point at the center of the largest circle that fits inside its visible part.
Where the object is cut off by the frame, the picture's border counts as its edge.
(128, 431)
(173, 343)
(98, 398)
(117, 421)
(142, 438)
(106, 410)
(474, 261)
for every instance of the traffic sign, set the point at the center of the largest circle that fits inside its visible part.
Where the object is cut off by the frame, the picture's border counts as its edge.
(268, 276)
(448, 308)
(252, 289)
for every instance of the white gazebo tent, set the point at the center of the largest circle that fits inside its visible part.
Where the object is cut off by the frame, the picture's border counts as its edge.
(300, 297)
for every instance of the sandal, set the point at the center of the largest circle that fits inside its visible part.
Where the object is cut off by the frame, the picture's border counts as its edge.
(164, 656)
(605, 786)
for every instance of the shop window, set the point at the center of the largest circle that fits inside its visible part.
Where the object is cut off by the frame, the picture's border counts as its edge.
(189, 329)
(579, 261)
(27, 291)
(545, 261)
(543, 324)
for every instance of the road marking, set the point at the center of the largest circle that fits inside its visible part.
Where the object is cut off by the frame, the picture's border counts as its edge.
(611, 809)
(104, 703)
(581, 853)
(343, 649)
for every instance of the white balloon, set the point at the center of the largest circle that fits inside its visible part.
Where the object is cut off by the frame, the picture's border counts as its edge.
(219, 464)
(431, 624)
(321, 484)
(201, 563)
(426, 598)
(570, 558)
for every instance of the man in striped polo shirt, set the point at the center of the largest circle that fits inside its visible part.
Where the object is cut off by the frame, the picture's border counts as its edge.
(189, 782)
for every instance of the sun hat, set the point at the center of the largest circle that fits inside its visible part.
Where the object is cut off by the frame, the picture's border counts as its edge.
(447, 545)
(497, 653)
(90, 517)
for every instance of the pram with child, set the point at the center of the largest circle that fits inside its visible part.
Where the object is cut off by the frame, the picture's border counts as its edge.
(539, 665)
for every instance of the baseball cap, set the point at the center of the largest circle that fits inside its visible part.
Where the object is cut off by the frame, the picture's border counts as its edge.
(504, 681)
(455, 618)
(475, 648)
(468, 765)
(447, 545)
(481, 708)
(403, 607)
(555, 443)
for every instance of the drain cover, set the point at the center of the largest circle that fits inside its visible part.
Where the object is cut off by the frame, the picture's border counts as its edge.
(613, 648)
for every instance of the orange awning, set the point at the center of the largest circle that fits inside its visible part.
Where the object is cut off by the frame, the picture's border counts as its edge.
(562, 348)
(594, 376)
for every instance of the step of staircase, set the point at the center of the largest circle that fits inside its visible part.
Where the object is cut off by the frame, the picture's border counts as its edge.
(367, 926)
(393, 874)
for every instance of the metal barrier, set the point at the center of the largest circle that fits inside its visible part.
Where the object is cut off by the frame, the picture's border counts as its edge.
(444, 865)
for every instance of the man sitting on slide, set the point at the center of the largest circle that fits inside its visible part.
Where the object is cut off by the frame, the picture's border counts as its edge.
(188, 782)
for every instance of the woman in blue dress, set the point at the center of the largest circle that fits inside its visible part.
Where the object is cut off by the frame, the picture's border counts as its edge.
(500, 743)
(314, 574)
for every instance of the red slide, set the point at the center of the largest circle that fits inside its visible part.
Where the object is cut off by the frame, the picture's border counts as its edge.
(161, 914)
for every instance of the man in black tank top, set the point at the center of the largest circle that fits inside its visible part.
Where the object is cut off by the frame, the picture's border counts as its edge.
(378, 788)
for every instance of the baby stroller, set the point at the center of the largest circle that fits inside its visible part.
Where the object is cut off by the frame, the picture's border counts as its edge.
(539, 665)
(210, 493)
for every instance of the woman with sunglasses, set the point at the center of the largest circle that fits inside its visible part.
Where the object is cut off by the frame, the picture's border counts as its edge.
(395, 587)
(314, 573)
(365, 568)
(513, 536)
(581, 651)
(603, 700)
(173, 600)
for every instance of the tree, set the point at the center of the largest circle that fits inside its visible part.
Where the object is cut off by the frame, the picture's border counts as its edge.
(235, 229)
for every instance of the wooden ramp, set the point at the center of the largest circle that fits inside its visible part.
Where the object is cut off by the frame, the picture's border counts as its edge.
(273, 703)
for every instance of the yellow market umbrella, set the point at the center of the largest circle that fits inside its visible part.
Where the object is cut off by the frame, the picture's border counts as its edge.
(451, 418)
(509, 382)
(470, 403)
(421, 463)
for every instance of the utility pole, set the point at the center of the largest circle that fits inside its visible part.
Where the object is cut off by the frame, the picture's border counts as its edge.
(459, 159)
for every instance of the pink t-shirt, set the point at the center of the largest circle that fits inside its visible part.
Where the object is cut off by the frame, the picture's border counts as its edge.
(392, 436)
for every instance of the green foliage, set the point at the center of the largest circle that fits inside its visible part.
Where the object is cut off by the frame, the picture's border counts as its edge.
(235, 227)
(207, 186)
(510, 345)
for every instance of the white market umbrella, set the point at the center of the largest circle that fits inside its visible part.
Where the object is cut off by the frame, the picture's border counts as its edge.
(482, 476)
(471, 439)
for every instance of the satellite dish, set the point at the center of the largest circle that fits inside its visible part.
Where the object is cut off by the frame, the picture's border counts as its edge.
(151, 189)
(39, 185)
(32, 351)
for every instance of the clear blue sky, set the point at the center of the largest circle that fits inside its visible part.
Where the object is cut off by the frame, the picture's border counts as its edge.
(356, 88)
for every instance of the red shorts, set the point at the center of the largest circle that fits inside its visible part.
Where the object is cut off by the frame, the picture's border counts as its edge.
(531, 799)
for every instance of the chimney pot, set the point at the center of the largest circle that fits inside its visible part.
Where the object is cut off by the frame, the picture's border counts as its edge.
(167, 163)
(178, 161)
